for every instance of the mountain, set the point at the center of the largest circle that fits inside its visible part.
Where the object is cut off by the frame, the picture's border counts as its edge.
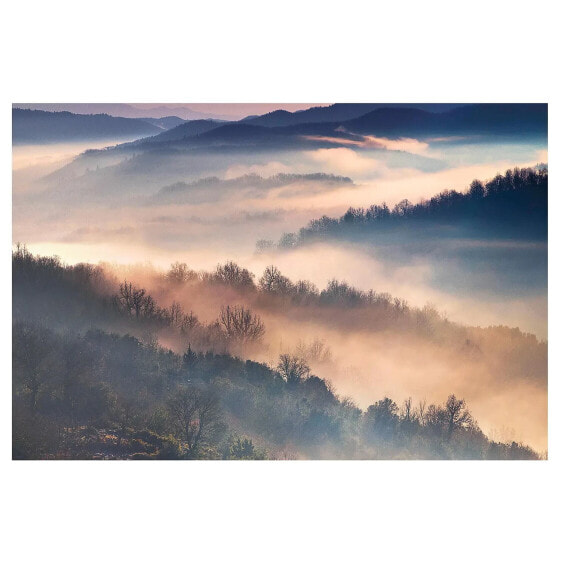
(487, 119)
(512, 206)
(483, 120)
(336, 113)
(165, 123)
(213, 135)
(128, 110)
(182, 131)
(91, 381)
(30, 126)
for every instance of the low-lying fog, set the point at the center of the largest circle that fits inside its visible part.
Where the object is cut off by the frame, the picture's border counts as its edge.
(106, 211)
(111, 207)
(502, 373)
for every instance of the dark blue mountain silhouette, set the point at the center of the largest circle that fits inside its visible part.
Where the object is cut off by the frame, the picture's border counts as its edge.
(336, 113)
(513, 206)
(483, 120)
(185, 130)
(487, 119)
(30, 126)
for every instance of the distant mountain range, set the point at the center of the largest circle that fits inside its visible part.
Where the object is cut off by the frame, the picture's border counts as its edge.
(165, 123)
(337, 112)
(30, 126)
(316, 126)
(184, 130)
(129, 110)
(487, 119)
(482, 120)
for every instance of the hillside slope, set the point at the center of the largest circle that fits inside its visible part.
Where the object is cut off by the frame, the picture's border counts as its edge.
(36, 127)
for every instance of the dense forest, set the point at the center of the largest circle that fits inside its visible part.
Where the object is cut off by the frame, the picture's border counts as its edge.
(511, 205)
(91, 378)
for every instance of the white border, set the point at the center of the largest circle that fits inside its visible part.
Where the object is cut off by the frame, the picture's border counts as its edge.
(291, 52)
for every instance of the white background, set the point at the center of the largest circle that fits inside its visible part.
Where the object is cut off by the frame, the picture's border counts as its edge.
(244, 51)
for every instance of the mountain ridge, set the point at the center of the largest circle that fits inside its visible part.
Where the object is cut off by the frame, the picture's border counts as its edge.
(33, 125)
(394, 122)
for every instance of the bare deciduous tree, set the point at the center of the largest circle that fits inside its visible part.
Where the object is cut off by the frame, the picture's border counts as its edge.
(457, 414)
(240, 324)
(421, 411)
(135, 301)
(180, 273)
(231, 273)
(189, 322)
(292, 368)
(175, 314)
(408, 414)
(315, 352)
(274, 281)
(196, 413)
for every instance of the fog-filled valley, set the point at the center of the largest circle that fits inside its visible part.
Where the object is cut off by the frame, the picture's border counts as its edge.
(358, 271)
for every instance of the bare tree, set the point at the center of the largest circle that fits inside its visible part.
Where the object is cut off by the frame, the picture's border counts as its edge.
(274, 281)
(240, 324)
(189, 322)
(408, 414)
(306, 288)
(175, 314)
(316, 352)
(179, 273)
(457, 414)
(421, 411)
(135, 302)
(147, 307)
(196, 413)
(292, 368)
(136, 298)
(130, 298)
(434, 416)
(231, 273)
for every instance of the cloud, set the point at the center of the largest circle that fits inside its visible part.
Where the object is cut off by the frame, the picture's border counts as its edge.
(345, 161)
(88, 234)
(411, 145)
(270, 168)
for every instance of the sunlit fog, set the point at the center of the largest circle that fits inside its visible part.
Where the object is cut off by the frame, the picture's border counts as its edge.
(466, 305)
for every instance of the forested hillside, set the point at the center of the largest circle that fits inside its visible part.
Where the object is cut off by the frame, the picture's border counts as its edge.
(91, 380)
(513, 205)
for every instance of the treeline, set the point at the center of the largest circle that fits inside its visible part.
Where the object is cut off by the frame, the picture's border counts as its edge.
(511, 205)
(83, 392)
(47, 291)
(43, 287)
(101, 395)
(77, 297)
(81, 296)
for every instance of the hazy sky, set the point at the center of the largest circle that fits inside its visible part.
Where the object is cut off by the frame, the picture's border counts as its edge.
(183, 110)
